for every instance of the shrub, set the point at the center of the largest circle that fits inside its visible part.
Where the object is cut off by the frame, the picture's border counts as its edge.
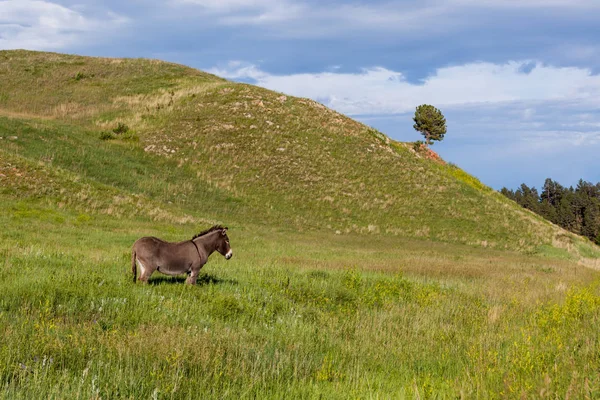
(121, 129)
(122, 132)
(107, 136)
(418, 145)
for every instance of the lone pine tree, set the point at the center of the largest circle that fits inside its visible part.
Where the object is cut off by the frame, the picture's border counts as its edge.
(430, 122)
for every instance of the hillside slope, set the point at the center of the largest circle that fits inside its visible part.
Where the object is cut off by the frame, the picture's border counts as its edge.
(216, 150)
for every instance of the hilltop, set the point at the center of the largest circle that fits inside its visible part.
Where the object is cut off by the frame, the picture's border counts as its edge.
(236, 152)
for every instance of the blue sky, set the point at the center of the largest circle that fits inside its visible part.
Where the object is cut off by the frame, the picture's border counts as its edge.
(518, 80)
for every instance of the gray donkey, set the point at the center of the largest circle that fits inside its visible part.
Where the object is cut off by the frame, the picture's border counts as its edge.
(188, 257)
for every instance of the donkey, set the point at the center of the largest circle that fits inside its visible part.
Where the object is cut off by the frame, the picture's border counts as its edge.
(153, 254)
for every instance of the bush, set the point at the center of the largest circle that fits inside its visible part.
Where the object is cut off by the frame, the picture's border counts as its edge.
(418, 145)
(80, 76)
(121, 129)
(121, 132)
(107, 136)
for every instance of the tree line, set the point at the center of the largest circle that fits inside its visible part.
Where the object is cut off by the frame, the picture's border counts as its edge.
(575, 209)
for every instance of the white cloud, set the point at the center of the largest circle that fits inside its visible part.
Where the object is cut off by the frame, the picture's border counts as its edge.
(556, 141)
(301, 18)
(230, 5)
(528, 3)
(44, 25)
(297, 18)
(528, 113)
(240, 70)
(249, 12)
(379, 90)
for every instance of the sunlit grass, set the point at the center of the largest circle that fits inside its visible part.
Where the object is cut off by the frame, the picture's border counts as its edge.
(288, 161)
(360, 269)
(297, 315)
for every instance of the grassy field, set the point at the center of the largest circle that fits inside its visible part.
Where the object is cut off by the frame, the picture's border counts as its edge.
(360, 269)
(290, 316)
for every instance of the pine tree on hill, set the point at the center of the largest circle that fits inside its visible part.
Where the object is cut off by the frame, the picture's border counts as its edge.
(430, 122)
(508, 193)
(552, 192)
(565, 211)
(528, 197)
(577, 210)
(546, 210)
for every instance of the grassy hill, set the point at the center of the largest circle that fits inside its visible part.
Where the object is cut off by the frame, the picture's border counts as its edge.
(362, 269)
(286, 161)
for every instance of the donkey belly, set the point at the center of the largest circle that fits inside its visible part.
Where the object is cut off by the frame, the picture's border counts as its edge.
(174, 268)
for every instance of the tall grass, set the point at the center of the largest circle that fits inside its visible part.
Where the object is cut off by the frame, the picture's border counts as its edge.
(290, 316)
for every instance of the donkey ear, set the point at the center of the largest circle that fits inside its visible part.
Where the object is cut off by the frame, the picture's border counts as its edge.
(224, 231)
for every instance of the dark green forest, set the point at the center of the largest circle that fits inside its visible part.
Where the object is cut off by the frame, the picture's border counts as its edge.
(575, 209)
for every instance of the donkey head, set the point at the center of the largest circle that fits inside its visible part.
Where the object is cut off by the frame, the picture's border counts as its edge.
(223, 246)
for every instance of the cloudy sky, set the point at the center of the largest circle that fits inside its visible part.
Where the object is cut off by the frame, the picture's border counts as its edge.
(518, 80)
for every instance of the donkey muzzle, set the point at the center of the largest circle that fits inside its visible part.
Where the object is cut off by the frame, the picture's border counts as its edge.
(229, 254)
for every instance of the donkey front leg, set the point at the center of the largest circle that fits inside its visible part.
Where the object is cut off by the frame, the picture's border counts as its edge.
(191, 279)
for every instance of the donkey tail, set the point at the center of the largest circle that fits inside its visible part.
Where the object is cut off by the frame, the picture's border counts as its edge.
(133, 266)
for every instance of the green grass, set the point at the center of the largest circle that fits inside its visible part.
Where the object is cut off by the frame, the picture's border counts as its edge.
(553, 252)
(291, 315)
(361, 269)
(287, 161)
(76, 88)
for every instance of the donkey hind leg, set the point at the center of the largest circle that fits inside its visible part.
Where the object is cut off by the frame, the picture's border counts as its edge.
(146, 270)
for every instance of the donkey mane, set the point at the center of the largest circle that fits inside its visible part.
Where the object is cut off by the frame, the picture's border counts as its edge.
(209, 230)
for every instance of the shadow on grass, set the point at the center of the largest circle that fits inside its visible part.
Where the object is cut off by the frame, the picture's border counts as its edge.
(205, 279)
